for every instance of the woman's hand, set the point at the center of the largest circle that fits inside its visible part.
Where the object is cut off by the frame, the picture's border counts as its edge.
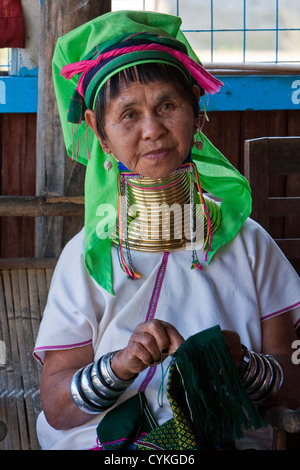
(235, 347)
(150, 343)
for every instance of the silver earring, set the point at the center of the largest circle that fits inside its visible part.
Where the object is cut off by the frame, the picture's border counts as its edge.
(198, 142)
(107, 165)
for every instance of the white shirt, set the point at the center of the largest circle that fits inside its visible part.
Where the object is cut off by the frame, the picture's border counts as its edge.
(248, 281)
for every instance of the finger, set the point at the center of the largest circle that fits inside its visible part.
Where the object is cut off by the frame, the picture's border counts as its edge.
(143, 347)
(154, 337)
(126, 363)
(175, 338)
(166, 335)
(160, 338)
(234, 344)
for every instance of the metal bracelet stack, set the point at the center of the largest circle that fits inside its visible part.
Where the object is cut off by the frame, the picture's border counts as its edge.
(261, 374)
(95, 388)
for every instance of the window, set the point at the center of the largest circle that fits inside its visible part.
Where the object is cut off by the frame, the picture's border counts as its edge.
(4, 61)
(234, 31)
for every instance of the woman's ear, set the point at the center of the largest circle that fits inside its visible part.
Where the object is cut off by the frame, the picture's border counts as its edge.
(196, 91)
(90, 119)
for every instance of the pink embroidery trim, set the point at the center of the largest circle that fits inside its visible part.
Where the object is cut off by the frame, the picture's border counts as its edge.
(99, 446)
(151, 312)
(55, 348)
(286, 309)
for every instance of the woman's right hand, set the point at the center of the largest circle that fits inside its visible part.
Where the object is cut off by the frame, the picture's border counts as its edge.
(150, 343)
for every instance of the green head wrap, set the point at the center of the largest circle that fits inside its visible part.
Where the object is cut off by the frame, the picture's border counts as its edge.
(85, 44)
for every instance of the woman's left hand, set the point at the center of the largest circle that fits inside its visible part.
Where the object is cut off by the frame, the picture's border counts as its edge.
(235, 347)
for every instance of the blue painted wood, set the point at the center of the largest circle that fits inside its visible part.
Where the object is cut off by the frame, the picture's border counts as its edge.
(256, 92)
(239, 93)
(18, 94)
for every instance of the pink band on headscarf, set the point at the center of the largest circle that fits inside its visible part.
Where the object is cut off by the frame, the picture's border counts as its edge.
(208, 82)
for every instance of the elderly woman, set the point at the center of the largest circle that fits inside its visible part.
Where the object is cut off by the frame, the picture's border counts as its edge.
(124, 305)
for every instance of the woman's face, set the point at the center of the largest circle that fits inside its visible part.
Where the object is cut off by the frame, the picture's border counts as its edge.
(149, 127)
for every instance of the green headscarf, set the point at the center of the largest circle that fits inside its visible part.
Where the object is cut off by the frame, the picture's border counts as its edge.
(217, 175)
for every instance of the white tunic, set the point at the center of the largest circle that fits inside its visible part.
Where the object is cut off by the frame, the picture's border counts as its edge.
(248, 281)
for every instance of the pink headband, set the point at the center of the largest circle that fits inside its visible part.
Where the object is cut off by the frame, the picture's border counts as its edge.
(208, 82)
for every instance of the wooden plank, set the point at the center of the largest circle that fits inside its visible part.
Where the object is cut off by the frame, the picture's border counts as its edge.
(18, 178)
(280, 206)
(292, 224)
(43, 289)
(256, 164)
(49, 274)
(17, 237)
(20, 363)
(287, 156)
(18, 154)
(33, 292)
(258, 125)
(39, 206)
(27, 263)
(279, 437)
(289, 246)
(263, 124)
(15, 386)
(223, 130)
(249, 68)
(29, 367)
(281, 153)
(55, 176)
(5, 366)
(285, 160)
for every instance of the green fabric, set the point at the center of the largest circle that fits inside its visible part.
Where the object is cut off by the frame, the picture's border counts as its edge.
(177, 433)
(123, 424)
(131, 425)
(217, 175)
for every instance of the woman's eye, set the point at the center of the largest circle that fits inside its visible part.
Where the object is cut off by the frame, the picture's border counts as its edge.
(167, 106)
(129, 115)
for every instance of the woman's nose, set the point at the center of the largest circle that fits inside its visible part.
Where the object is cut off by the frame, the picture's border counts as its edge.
(153, 128)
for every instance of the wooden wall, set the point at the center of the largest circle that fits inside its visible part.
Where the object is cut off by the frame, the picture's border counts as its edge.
(18, 174)
(227, 130)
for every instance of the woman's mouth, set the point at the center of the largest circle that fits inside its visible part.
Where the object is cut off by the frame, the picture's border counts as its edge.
(157, 154)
